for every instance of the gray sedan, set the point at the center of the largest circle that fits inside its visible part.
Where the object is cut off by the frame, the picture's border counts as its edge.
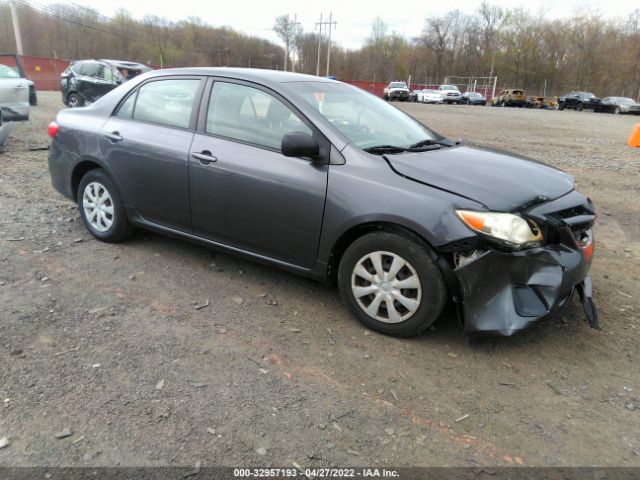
(326, 180)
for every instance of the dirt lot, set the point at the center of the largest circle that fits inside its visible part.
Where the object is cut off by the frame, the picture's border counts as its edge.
(105, 339)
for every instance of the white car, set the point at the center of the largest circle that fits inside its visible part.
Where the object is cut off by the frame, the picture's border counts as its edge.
(14, 95)
(427, 95)
(450, 93)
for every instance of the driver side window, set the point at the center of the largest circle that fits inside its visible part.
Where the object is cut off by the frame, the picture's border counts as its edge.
(250, 115)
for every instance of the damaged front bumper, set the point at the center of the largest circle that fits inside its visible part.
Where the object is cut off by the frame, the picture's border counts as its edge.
(502, 292)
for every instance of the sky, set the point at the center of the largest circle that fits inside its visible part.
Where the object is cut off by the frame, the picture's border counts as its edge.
(353, 17)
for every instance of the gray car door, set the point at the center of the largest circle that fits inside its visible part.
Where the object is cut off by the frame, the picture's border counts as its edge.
(146, 145)
(244, 192)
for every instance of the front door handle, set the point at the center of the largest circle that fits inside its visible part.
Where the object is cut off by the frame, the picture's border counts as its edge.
(205, 157)
(114, 136)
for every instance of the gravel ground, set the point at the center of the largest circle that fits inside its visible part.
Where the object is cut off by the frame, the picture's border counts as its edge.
(106, 340)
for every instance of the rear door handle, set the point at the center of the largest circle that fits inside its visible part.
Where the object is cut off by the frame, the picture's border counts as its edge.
(114, 136)
(205, 157)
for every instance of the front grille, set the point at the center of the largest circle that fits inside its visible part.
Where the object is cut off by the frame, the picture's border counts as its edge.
(572, 223)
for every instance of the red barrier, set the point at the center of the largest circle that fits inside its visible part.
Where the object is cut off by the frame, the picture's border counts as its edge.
(43, 71)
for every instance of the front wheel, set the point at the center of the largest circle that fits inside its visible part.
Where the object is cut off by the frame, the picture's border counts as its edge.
(391, 284)
(579, 107)
(101, 208)
(617, 111)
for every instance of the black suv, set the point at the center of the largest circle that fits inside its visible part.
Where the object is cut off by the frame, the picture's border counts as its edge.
(579, 101)
(85, 81)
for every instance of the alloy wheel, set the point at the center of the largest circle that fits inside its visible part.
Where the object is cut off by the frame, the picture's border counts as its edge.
(98, 207)
(386, 287)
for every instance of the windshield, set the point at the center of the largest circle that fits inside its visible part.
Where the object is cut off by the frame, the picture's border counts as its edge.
(8, 72)
(363, 118)
(433, 92)
(448, 87)
(474, 94)
(398, 85)
(586, 94)
(624, 100)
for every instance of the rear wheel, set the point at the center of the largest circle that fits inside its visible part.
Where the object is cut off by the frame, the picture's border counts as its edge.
(617, 111)
(579, 107)
(391, 284)
(74, 100)
(101, 208)
(560, 106)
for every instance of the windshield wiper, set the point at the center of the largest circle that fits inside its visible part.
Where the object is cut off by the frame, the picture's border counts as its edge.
(382, 149)
(378, 149)
(445, 142)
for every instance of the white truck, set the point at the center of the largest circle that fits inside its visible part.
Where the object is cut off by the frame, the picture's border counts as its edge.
(17, 94)
(450, 94)
(397, 91)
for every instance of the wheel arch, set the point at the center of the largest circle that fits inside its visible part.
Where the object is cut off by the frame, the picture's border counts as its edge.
(85, 165)
(357, 231)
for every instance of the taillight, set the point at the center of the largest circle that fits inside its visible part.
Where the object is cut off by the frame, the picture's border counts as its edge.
(52, 129)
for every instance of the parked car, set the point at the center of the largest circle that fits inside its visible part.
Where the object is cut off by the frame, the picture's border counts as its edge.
(427, 95)
(473, 98)
(450, 93)
(291, 164)
(578, 101)
(619, 105)
(85, 81)
(396, 91)
(17, 94)
(546, 103)
(512, 97)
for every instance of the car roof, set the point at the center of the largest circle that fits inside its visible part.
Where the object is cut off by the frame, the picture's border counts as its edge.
(118, 63)
(123, 63)
(250, 74)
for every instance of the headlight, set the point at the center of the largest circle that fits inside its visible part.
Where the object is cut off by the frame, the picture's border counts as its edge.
(505, 227)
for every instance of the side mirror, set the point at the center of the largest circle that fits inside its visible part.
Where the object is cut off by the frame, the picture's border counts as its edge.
(299, 144)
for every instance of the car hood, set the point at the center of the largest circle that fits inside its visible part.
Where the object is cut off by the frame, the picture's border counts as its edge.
(499, 180)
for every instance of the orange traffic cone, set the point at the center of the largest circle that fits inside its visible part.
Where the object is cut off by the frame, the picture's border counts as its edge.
(634, 138)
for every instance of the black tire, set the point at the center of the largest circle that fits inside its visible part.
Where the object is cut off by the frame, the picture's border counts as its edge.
(579, 107)
(432, 299)
(560, 106)
(617, 111)
(33, 96)
(120, 229)
(74, 100)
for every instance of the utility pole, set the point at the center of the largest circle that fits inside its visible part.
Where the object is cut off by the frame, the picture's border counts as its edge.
(16, 28)
(331, 24)
(288, 26)
(319, 27)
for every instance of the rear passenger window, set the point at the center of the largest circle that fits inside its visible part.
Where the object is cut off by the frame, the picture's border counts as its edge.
(126, 109)
(91, 69)
(167, 102)
(251, 115)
